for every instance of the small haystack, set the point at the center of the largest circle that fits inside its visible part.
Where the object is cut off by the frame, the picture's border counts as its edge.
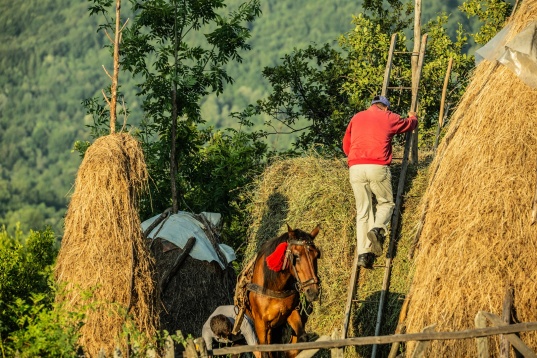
(190, 290)
(477, 237)
(103, 249)
(304, 192)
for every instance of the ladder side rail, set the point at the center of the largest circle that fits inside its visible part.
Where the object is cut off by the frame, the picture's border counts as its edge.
(389, 65)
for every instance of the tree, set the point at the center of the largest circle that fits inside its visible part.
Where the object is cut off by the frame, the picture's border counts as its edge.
(177, 51)
(316, 91)
(492, 14)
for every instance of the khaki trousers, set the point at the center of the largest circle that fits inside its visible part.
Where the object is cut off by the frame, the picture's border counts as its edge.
(366, 180)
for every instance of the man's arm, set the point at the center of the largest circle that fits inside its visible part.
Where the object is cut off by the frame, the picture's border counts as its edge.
(207, 335)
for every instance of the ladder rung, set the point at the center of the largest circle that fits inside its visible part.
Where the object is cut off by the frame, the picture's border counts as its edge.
(399, 87)
(411, 52)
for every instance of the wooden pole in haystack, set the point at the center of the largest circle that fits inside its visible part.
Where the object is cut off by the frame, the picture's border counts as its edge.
(104, 264)
(415, 75)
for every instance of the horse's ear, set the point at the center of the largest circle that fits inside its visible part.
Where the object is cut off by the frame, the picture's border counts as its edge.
(315, 231)
(290, 231)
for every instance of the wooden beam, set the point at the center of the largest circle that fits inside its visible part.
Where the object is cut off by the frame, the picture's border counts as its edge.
(481, 342)
(363, 341)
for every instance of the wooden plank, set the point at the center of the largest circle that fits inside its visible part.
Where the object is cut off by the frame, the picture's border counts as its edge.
(351, 292)
(507, 307)
(336, 352)
(190, 349)
(362, 341)
(311, 352)
(481, 342)
(421, 347)
(201, 347)
(513, 338)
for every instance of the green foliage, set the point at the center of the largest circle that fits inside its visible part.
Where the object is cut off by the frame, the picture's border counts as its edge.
(43, 331)
(25, 267)
(306, 98)
(492, 14)
(317, 90)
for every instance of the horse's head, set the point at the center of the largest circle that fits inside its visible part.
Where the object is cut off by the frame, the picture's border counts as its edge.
(302, 255)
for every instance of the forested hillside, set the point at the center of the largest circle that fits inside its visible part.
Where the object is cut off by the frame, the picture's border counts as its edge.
(51, 59)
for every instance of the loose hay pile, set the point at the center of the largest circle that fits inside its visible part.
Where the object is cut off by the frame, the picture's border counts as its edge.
(304, 192)
(103, 249)
(477, 239)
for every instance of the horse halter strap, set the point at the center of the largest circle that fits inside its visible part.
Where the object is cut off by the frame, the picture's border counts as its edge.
(289, 256)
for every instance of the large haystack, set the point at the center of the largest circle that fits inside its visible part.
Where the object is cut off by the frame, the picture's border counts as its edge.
(103, 250)
(477, 239)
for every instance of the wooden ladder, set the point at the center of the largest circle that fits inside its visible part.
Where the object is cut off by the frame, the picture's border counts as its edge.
(351, 293)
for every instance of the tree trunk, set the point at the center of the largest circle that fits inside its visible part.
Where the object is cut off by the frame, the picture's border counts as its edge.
(115, 75)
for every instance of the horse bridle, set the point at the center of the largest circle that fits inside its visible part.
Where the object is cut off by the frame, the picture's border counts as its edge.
(289, 256)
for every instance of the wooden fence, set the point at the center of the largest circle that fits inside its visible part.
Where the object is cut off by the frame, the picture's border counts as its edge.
(196, 348)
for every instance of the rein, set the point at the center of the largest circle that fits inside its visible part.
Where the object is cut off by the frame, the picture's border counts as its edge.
(300, 286)
(288, 255)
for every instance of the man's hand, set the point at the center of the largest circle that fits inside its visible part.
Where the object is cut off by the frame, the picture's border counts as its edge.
(412, 114)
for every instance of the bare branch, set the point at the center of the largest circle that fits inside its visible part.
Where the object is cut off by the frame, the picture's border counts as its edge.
(105, 97)
(107, 73)
(109, 37)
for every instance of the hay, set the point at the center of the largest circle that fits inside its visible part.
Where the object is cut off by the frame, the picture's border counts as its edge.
(193, 293)
(103, 248)
(304, 192)
(477, 239)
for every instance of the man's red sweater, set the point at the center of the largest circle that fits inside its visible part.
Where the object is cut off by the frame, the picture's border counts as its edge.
(368, 139)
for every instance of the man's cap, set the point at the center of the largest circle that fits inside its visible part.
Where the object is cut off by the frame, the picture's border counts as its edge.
(381, 99)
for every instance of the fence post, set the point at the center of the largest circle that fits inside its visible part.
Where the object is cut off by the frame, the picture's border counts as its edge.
(190, 349)
(422, 346)
(201, 347)
(481, 342)
(507, 307)
(336, 352)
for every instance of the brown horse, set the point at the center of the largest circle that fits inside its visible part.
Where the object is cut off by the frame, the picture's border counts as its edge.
(285, 268)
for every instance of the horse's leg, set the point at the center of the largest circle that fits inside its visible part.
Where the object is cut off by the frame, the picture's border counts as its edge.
(295, 321)
(263, 334)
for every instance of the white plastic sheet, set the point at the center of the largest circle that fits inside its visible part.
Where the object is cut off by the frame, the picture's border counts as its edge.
(518, 54)
(181, 226)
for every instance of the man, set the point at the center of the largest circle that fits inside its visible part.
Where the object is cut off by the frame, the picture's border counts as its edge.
(220, 324)
(368, 146)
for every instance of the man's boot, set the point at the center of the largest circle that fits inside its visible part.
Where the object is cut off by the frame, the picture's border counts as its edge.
(376, 236)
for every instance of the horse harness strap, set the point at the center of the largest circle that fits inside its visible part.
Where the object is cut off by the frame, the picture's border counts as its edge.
(288, 255)
(269, 293)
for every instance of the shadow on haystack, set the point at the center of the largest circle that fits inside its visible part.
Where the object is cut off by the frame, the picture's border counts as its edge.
(273, 218)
